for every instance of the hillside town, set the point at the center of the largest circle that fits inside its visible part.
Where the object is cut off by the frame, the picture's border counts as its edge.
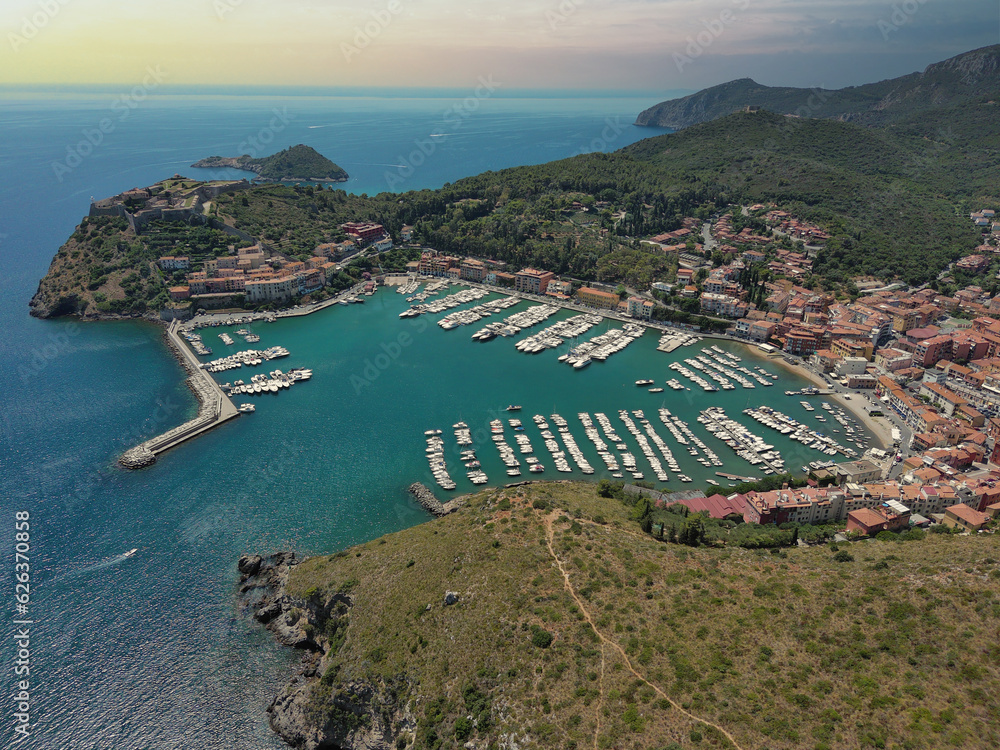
(928, 360)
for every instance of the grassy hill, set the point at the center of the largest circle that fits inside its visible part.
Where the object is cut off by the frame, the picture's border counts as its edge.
(961, 79)
(573, 629)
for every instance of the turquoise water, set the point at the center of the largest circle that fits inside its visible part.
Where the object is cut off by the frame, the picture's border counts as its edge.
(379, 382)
(150, 651)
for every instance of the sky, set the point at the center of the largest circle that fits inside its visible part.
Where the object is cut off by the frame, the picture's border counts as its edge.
(635, 45)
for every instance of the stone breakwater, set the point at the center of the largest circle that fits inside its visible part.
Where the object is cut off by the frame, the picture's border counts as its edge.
(214, 408)
(431, 504)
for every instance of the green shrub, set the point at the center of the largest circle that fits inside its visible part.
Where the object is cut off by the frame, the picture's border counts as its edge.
(632, 719)
(843, 556)
(463, 728)
(541, 637)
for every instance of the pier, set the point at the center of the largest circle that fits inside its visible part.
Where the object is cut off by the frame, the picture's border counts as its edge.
(736, 477)
(214, 408)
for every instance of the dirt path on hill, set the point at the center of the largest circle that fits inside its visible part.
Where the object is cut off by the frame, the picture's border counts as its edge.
(605, 641)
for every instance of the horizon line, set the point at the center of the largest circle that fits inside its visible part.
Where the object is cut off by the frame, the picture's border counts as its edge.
(568, 92)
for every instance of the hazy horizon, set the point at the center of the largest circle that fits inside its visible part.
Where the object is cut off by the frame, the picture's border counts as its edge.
(650, 46)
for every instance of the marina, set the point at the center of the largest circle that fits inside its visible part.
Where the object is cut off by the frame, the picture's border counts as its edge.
(273, 382)
(436, 461)
(603, 345)
(467, 317)
(621, 442)
(748, 446)
(514, 324)
(248, 358)
(799, 431)
(445, 303)
(556, 335)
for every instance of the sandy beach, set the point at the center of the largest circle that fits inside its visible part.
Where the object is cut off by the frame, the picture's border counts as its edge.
(880, 427)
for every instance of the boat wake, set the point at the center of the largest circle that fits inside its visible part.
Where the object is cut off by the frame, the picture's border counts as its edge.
(98, 566)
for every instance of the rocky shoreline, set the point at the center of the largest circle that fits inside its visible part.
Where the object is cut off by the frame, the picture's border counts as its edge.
(311, 712)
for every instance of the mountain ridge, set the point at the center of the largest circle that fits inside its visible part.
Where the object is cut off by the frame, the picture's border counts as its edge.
(948, 82)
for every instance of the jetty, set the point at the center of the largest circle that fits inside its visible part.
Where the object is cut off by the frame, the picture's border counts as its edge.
(214, 408)
(422, 494)
(737, 477)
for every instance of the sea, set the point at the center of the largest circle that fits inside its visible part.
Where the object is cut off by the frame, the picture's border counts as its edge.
(149, 649)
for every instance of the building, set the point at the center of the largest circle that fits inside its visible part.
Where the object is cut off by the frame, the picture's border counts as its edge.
(473, 270)
(364, 233)
(531, 281)
(172, 263)
(851, 365)
(973, 263)
(944, 398)
(927, 352)
(434, 264)
(850, 348)
(560, 287)
(804, 505)
(824, 360)
(892, 360)
(335, 249)
(500, 278)
(406, 233)
(862, 382)
(761, 330)
(857, 472)
(964, 517)
(723, 304)
(596, 298)
(888, 516)
(640, 308)
(801, 342)
(279, 289)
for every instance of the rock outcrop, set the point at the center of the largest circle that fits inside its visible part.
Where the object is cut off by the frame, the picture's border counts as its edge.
(310, 713)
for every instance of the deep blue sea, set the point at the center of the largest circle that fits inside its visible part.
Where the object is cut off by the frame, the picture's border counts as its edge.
(149, 651)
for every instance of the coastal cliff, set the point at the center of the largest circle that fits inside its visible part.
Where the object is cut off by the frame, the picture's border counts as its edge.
(541, 616)
(296, 164)
(89, 277)
(309, 713)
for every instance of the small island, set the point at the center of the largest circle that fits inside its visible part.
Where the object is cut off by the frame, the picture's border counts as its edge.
(299, 163)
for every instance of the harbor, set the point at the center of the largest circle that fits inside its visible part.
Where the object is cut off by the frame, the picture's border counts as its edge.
(613, 436)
